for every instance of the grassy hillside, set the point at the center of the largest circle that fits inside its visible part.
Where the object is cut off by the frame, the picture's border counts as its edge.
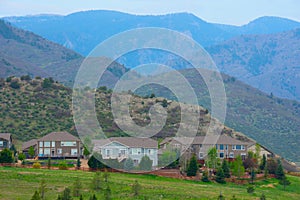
(152, 187)
(31, 108)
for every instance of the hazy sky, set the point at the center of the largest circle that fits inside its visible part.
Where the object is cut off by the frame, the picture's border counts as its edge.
(220, 11)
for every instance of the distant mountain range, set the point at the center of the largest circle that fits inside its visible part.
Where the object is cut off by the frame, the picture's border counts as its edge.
(263, 53)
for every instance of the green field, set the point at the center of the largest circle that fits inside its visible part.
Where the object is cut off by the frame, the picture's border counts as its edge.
(19, 183)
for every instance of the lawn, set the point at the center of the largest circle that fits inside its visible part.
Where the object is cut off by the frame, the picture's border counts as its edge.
(18, 183)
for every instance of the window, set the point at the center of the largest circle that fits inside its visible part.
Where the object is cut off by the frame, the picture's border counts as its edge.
(123, 152)
(74, 152)
(107, 152)
(216, 146)
(231, 155)
(53, 144)
(221, 146)
(226, 147)
(238, 147)
(59, 151)
(41, 144)
(243, 155)
(221, 155)
(41, 151)
(243, 147)
(46, 151)
(135, 162)
(233, 147)
(1, 143)
(201, 155)
(46, 144)
(150, 151)
(68, 144)
(136, 151)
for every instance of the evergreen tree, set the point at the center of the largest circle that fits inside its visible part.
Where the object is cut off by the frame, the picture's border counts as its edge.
(107, 193)
(105, 176)
(252, 175)
(226, 169)
(66, 195)
(250, 189)
(262, 197)
(95, 161)
(6, 156)
(192, 167)
(136, 187)
(279, 174)
(220, 177)
(128, 164)
(78, 163)
(42, 189)
(221, 197)
(31, 152)
(81, 197)
(205, 177)
(263, 162)
(49, 163)
(93, 197)
(266, 171)
(77, 187)
(146, 163)
(36, 196)
(285, 182)
(96, 182)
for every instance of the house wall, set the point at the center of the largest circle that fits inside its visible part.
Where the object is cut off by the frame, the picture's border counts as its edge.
(57, 150)
(4, 144)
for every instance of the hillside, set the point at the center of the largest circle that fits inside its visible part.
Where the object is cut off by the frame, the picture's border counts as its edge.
(31, 108)
(267, 62)
(24, 53)
(271, 121)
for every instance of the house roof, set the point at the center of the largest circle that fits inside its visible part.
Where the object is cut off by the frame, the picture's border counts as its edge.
(128, 141)
(5, 136)
(59, 136)
(222, 139)
(29, 143)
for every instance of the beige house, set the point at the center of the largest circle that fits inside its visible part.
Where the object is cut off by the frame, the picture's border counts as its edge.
(227, 147)
(5, 141)
(263, 150)
(27, 145)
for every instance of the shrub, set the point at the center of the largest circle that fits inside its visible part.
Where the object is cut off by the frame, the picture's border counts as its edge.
(36, 165)
(136, 187)
(193, 167)
(220, 177)
(250, 189)
(6, 156)
(63, 165)
(128, 164)
(146, 163)
(14, 85)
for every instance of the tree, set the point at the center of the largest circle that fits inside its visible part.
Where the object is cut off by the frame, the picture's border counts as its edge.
(272, 166)
(279, 173)
(77, 187)
(263, 162)
(31, 152)
(146, 163)
(107, 193)
(95, 161)
(262, 197)
(205, 177)
(96, 182)
(21, 156)
(220, 177)
(221, 197)
(252, 175)
(266, 171)
(36, 196)
(250, 189)
(42, 189)
(128, 164)
(257, 151)
(169, 158)
(13, 149)
(226, 169)
(238, 168)
(105, 176)
(6, 156)
(66, 195)
(136, 187)
(86, 152)
(78, 163)
(285, 182)
(212, 158)
(192, 167)
(47, 82)
(49, 163)
(93, 197)
(14, 85)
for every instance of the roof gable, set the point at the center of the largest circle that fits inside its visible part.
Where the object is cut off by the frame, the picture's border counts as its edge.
(5, 136)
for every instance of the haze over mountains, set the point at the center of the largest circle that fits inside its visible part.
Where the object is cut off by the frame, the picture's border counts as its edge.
(262, 53)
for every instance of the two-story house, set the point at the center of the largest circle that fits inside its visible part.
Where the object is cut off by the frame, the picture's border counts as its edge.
(227, 147)
(121, 148)
(5, 141)
(59, 144)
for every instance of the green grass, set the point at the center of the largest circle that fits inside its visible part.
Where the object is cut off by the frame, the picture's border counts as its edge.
(18, 183)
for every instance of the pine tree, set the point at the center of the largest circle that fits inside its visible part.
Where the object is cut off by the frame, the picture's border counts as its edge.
(221, 197)
(107, 193)
(262, 197)
(93, 197)
(128, 164)
(105, 176)
(42, 189)
(49, 163)
(146, 163)
(66, 195)
(205, 177)
(136, 187)
(284, 181)
(220, 177)
(263, 162)
(266, 171)
(192, 167)
(279, 173)
(78, 163)
(252, 175)
(226, 169)
(77, 187)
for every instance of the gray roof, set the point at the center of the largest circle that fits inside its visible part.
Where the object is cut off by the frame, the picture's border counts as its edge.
(128, 141)
(29, 143)
(5, 136)
(59, 136)
(222, 139)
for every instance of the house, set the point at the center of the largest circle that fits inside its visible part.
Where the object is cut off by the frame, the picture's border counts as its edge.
(227, 147)
(263, 150)
(59, 145)
(5, 141)
(121, 148)
(27, 145)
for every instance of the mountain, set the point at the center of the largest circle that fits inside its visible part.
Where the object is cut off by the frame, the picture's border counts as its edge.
(267, 62)
(269, 120)
(23, 52)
